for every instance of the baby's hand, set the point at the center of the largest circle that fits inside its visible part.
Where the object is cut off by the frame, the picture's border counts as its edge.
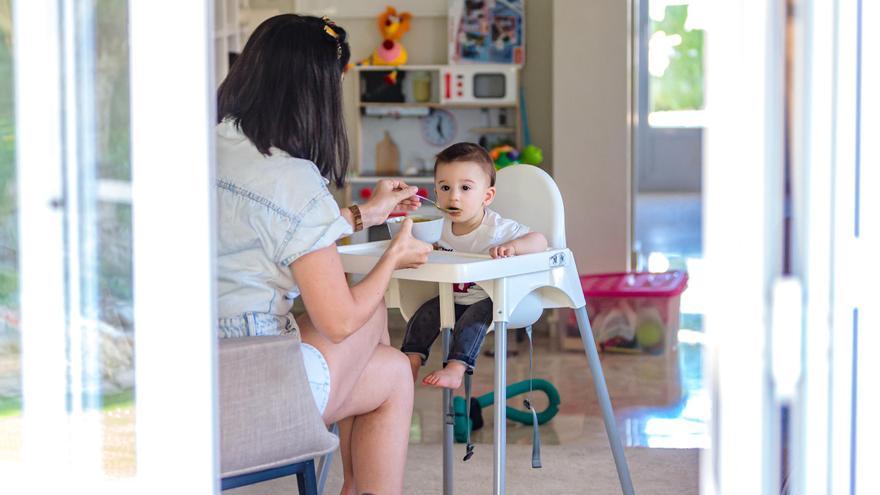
(502, 251)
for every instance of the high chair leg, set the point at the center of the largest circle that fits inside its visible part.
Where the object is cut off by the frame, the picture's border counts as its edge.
(500, 405)
(448, 417)
(604, 401)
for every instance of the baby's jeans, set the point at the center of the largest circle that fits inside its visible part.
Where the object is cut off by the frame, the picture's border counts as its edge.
(471, 323)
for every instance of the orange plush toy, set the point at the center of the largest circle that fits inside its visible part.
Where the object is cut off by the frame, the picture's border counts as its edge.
(391, 51)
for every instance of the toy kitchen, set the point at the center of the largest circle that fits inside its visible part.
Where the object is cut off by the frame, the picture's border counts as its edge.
(408, 113)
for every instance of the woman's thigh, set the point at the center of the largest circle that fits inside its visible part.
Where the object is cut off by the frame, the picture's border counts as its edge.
(348, 358)
(386, 375)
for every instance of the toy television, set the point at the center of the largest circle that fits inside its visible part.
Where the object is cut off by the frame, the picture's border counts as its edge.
(479, 84)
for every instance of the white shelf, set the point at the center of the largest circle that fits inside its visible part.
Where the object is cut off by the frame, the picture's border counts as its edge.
(405, 67)
(434, 104)
(227, 34)
(409, 67)
(419, 179)
(493, 130)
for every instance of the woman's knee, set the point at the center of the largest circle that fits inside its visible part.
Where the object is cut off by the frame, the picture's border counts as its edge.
(397, 368)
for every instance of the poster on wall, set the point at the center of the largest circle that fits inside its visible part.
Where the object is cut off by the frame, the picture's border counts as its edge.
(487, 31)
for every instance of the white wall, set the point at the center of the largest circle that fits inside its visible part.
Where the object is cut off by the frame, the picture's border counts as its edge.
(591, 137)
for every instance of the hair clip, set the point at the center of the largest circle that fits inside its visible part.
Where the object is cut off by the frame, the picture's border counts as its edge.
(328, 28)
(332, 32)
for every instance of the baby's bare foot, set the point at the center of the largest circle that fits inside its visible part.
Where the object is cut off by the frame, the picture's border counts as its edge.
(448, 377)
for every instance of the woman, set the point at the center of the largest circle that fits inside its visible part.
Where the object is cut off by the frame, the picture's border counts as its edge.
(281, 139)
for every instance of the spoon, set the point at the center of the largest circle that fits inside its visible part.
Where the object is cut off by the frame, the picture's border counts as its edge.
(445, 210)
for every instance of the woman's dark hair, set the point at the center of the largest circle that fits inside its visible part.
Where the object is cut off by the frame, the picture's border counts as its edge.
(285, 90)
(467, 152)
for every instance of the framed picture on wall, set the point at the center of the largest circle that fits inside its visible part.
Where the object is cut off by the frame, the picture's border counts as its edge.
(487, 31)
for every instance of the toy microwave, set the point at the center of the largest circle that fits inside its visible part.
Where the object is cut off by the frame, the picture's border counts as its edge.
(479, 84)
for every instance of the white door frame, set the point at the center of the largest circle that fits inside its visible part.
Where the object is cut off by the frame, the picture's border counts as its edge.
(742, 222)
(39, 158)
(836, 183)
(172, 120)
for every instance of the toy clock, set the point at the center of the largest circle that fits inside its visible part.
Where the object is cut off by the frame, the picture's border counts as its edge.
(438, 127)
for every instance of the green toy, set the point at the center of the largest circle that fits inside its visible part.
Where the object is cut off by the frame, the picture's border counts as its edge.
(525, 417)
(531, 155)
(649, 335)
(503, 161)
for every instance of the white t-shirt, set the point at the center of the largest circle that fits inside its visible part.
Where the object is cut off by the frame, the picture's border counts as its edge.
(493, 230)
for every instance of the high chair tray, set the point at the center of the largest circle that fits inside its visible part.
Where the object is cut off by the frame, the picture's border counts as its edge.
(443, 266)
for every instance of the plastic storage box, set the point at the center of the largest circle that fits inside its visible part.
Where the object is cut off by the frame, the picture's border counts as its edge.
(630, 312)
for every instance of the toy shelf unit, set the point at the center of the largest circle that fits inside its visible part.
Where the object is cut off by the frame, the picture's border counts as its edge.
(229, 34)
(408, 114)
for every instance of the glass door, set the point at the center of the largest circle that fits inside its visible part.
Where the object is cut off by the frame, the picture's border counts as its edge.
(791, 240)
(835, 185)
(108, 343)
(668, 127)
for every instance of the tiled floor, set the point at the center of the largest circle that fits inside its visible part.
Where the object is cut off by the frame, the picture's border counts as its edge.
(659, 400)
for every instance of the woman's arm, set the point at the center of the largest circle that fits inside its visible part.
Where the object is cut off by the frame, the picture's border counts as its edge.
(338, 310)
(388, 196)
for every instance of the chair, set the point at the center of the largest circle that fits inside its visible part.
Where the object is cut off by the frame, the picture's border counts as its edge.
(529, 195)
(269, 425)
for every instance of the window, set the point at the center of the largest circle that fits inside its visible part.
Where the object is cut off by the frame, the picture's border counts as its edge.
(675, 63)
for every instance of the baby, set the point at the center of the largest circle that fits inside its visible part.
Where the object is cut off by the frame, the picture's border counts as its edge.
(464, 181)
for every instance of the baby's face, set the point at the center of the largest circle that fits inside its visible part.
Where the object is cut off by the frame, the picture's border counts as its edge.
(463, 186)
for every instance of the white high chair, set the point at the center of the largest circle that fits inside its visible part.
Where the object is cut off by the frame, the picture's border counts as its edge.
(521, 287)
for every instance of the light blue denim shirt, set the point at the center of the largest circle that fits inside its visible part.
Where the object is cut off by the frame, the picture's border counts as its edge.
(272, 210)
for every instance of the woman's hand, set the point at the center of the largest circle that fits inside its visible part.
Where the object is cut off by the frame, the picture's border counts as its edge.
(405, 250)
(389, 196)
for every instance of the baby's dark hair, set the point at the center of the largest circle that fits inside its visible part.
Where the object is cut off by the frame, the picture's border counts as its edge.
(467, 152)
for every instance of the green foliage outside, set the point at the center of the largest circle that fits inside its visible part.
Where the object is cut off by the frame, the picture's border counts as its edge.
(10, 400)
(112, 88)
(681, 86)
(8, 205)
(11, 406)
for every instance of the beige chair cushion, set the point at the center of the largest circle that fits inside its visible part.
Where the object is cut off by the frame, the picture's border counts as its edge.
(268, 417)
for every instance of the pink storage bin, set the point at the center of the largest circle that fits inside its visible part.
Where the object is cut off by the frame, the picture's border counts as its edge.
(633, 312)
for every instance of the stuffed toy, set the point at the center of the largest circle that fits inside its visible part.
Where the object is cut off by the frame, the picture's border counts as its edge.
(390, 52)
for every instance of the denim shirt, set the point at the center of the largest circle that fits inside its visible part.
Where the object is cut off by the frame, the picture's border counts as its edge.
(272, 210)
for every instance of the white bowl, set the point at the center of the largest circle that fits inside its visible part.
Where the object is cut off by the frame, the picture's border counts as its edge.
(425, 228)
